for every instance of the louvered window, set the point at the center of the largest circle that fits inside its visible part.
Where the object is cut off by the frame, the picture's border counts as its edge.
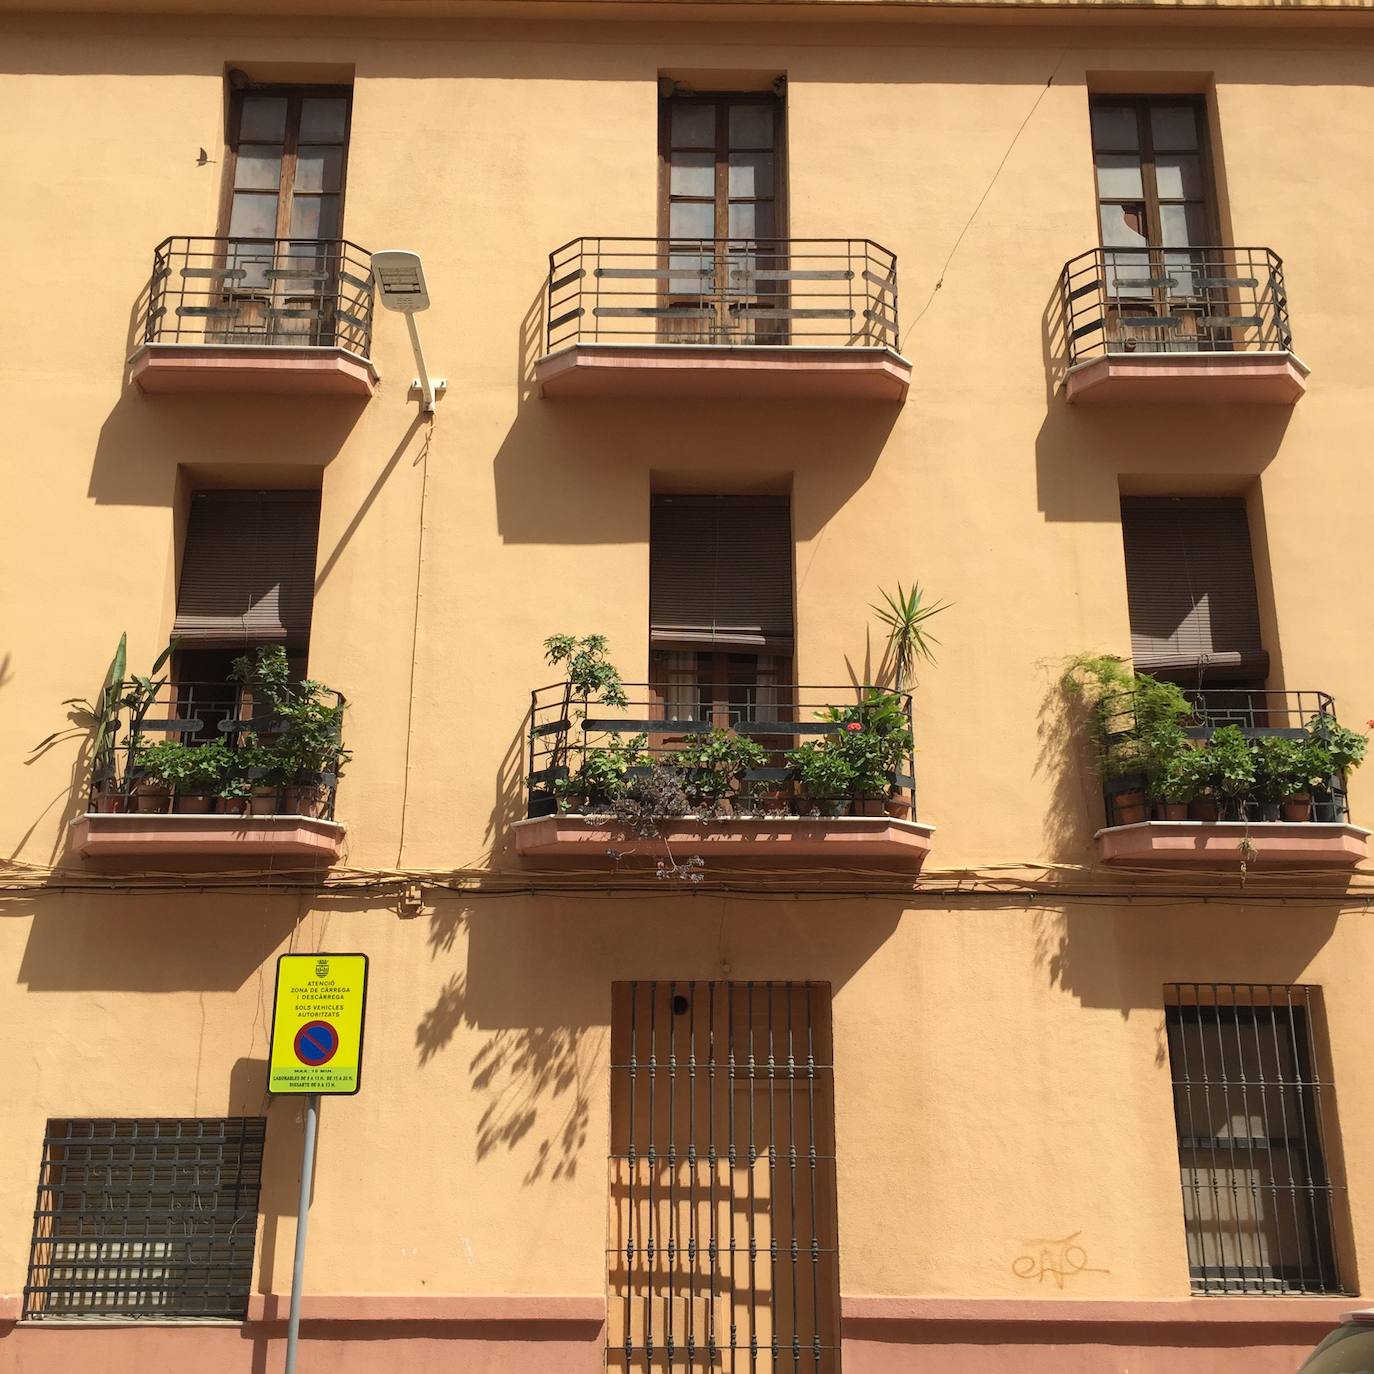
(720, 572)
(1190, 582)
(248, 571)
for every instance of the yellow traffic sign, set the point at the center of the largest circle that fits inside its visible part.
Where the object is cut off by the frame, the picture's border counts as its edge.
(317, 1024)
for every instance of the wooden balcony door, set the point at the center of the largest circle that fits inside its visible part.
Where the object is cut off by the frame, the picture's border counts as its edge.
(722, 212)
(1156, 209)
(285, 173)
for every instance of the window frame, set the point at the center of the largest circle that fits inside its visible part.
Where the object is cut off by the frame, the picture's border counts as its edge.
(295, 95)
(1142, 105)
(1293, 1014)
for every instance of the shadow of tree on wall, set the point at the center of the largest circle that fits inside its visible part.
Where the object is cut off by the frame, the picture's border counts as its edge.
(531, 1080)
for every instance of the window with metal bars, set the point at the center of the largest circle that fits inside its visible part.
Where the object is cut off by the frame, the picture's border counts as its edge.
(1259, 1204)
(723, 1252)
(145, 1218)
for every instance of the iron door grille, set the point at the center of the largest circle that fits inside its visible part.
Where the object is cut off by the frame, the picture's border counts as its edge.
(145, 1218)
(723, 1253)
(1251, 1112)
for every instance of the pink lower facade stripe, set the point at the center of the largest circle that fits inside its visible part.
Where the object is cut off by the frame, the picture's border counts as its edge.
(423, 1334)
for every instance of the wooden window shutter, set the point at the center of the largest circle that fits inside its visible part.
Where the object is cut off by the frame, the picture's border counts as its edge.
(720, 571)
(1190, 586)
(248, 571)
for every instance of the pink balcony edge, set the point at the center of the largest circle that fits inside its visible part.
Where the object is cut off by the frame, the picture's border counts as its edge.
(261, 368)
(1273, 844)
(758, 372)
(879, 840)
(1207, 378)
(170, 841)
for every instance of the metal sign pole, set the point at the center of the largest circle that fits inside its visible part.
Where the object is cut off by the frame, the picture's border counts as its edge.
(293, 1325)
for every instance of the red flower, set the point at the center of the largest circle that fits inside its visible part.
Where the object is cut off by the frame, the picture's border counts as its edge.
(858, 725)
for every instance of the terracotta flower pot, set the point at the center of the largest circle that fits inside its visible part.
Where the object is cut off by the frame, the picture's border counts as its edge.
(1297, 808)
(1129, 808)
(1203, 809)
(196, 804)
(263, 802)
(1173, 811)
(150, 797)
(870, 806)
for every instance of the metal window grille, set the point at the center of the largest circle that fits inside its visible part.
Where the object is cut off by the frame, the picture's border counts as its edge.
(723, 1253)
(1251, 1114)
(145, 1218)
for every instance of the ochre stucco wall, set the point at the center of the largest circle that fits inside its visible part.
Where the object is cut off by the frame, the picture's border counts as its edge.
(998, 1063)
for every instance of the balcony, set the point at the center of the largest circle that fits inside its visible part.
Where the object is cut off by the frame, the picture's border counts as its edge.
(1254, 804)
(1195, 325)
(193, 776)
(279, 316)
(760, 776)
(779, 319)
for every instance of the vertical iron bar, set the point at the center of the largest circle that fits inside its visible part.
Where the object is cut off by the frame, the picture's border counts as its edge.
(1252, 1168)
(690, 1305)
(668, 1293)
(811, 1150)
(1323, 1170)
(631, 1169)
(711, 1159)
(753, 1155)
(1281, 1089)
(653, 1165)
(730, 1177)
(772, 1190)
(792, 1176)
(1299, 1107)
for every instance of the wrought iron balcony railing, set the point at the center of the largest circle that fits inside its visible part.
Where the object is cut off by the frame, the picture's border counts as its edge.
(282, 292)
(656, 726)
(1174, 300)
(1134, 796)
(801, 292)
(243, 772)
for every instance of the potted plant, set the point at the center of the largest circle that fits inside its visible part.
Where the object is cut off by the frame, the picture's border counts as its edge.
(590, 676)
(908, 640)
(1230, 770)
(254, 782)
(304, 754)
(601, 777)
(826, 775)
(1287, 771)
(714, 765)
(1179, 779)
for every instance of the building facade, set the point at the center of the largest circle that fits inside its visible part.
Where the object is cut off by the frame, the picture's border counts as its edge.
(689, 1043)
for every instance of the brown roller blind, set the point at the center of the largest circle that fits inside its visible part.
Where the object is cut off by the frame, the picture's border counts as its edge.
(720, 571)
(248, 571)
(1190, 584)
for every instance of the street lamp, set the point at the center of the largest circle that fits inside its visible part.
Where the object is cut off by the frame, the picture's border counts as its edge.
(400, 279)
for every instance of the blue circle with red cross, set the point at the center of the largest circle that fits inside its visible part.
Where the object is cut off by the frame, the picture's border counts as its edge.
(316, 1043)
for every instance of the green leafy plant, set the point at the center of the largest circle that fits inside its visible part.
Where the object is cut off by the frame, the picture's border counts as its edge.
(909, 642)
(305, 738)
(600, 778)
(826, 774)
(193, 768)
(714, 764)
(1230, 768)
(1289, 767)
(1135, 721)
(1344, 747)
(254, 767)
(590, 673)
(1181, 776)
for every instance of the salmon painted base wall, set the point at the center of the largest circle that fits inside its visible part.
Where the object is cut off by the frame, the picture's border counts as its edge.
(1067, 1336)
(359, 1335)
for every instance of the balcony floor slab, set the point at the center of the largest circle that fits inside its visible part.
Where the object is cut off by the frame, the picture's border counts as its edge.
(1195, 844)
(859, 840)
(746, 372)
(1191, 378)
(199, 842)
(252, 368)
